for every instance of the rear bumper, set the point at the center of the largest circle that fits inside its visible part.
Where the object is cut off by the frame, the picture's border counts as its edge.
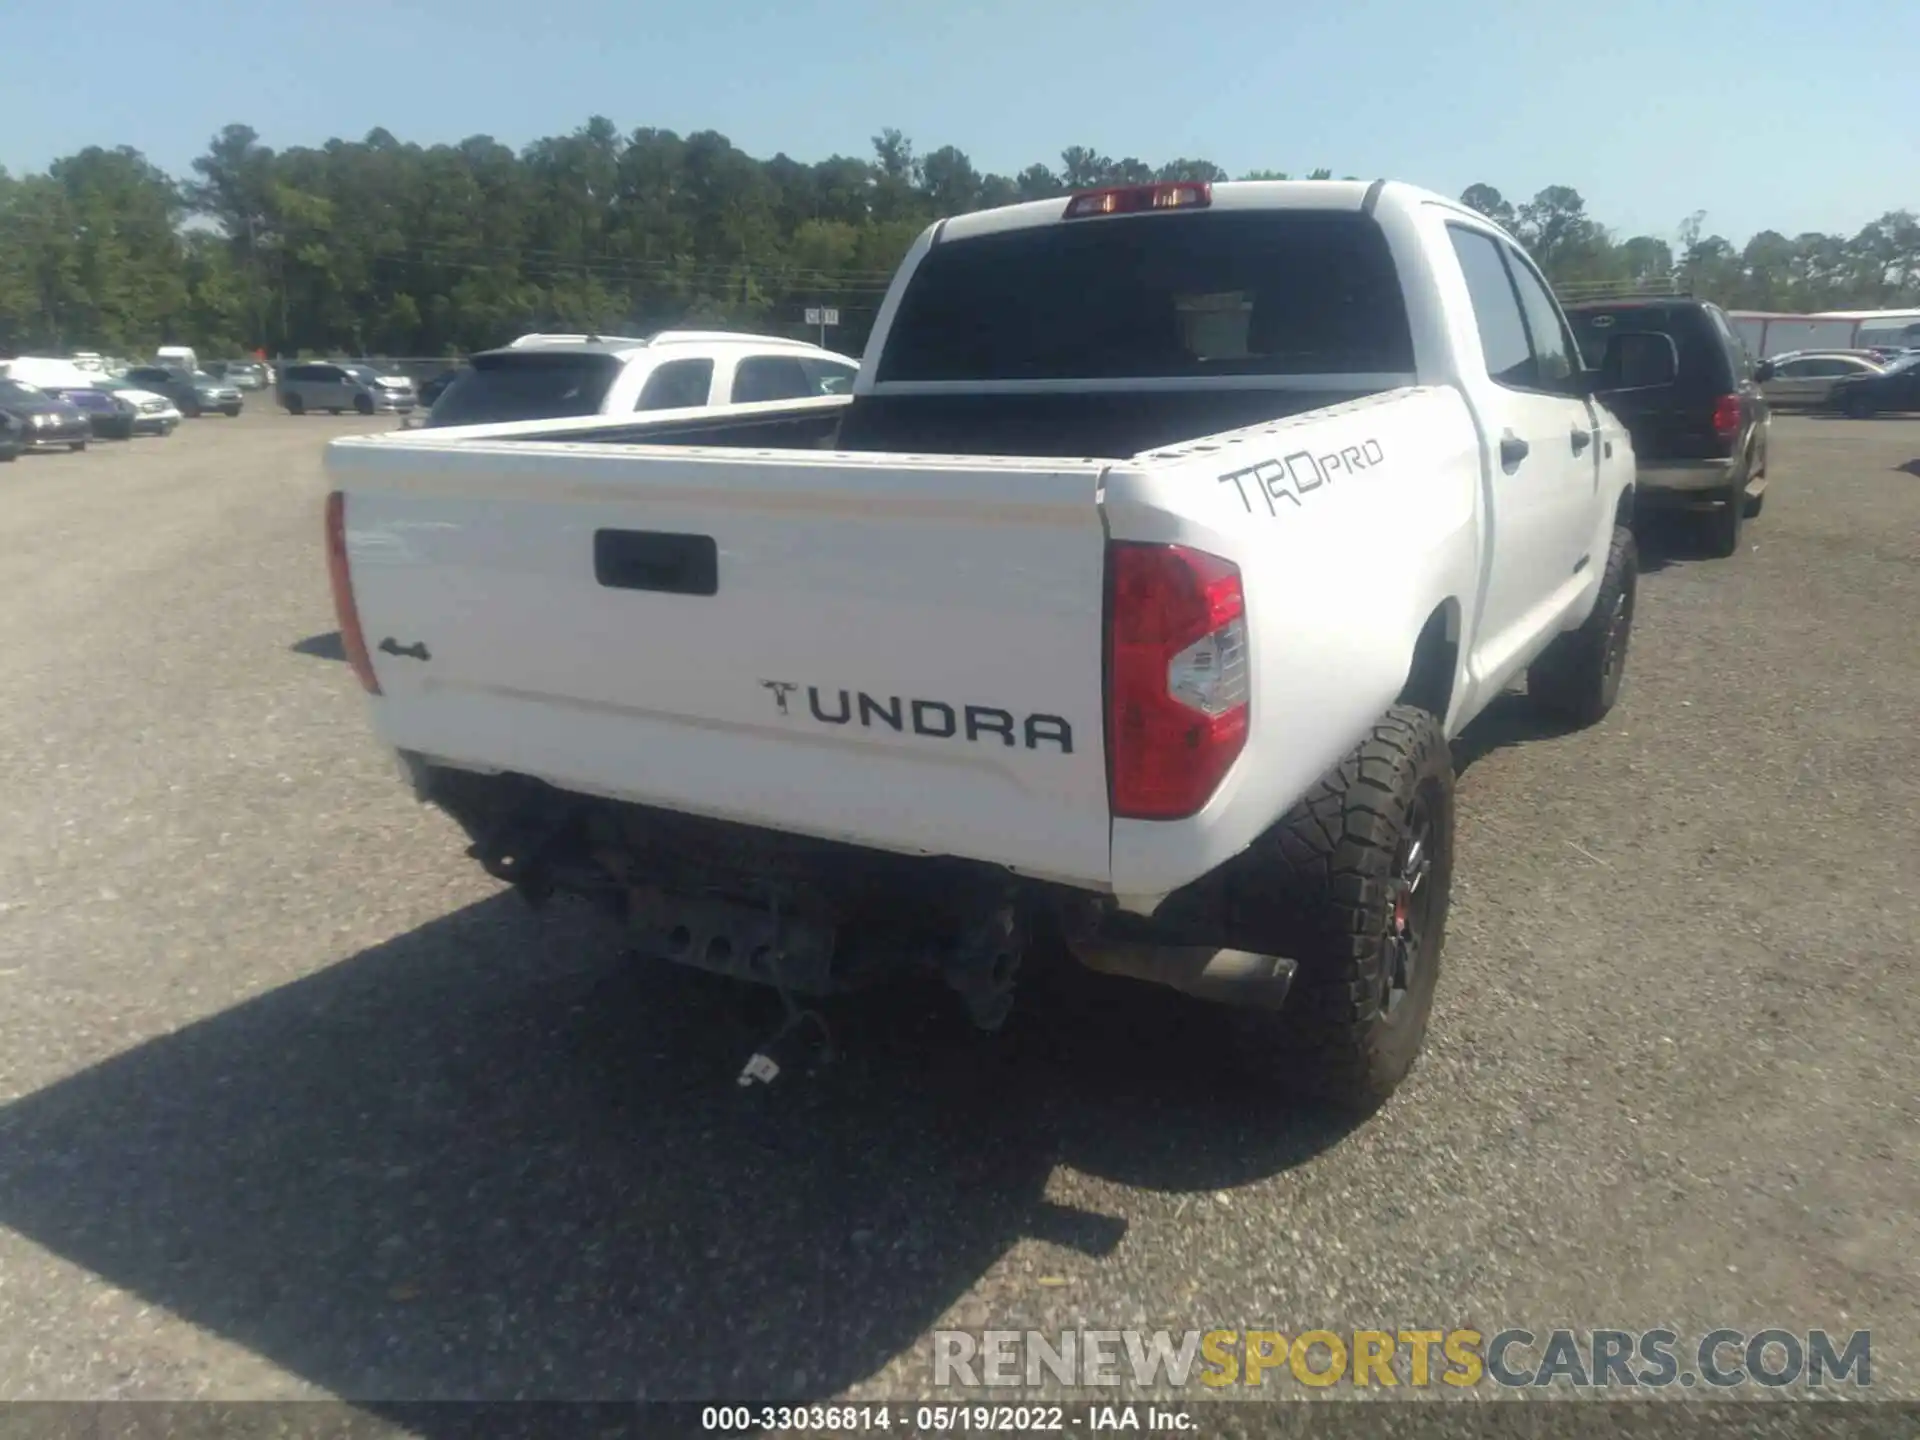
(1684, 481)
(730, 898)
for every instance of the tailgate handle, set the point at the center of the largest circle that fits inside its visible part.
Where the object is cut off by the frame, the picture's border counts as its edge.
(653, 560)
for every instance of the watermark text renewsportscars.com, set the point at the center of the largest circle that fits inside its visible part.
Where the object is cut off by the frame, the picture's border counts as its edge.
(1774, 1358)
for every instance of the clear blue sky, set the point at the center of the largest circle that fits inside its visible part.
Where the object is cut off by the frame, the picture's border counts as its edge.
(1764, 113)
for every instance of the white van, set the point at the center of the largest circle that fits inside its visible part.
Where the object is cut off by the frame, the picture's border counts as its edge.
(177, 357)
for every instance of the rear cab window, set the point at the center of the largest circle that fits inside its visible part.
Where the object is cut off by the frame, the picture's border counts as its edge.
(527, 385)
(1186, 296)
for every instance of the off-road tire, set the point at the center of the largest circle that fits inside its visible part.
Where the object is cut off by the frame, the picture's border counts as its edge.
(1578, 678)
(1722, 526)
(1349, 1032)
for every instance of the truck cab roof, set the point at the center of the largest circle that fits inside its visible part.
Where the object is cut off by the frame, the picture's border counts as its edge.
(1353, 195)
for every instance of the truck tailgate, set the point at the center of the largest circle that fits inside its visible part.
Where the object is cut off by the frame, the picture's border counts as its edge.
(898, 652)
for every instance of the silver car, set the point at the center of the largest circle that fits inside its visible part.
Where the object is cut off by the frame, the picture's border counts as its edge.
(1807, 377)
(336, 387)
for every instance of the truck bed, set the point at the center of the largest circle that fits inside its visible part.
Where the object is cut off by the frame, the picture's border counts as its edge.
(710, 613)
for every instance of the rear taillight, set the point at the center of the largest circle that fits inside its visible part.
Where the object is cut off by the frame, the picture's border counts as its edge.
(1177, 697)
(352, 641)
(1726, 416)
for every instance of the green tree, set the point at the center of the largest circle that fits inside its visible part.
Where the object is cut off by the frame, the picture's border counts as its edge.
(385, 245)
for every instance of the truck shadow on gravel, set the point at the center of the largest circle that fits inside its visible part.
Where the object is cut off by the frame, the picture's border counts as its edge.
(491, 1157)
(1509, 719)
(1668, 540)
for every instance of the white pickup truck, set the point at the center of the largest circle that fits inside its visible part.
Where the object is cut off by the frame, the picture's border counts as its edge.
(1131, 600)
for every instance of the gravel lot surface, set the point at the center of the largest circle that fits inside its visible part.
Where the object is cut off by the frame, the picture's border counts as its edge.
(294, 1100)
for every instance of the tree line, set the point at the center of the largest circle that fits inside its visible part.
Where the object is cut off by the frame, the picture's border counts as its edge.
(382, 247)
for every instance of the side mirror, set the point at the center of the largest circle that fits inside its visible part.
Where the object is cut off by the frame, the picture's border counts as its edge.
(1763, 372)
(1637, 360)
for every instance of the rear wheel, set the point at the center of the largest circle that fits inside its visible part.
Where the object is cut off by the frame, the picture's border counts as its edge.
(78, 445)
(1579, 676)
(1723, 525)
(295, 405)
(1360, 876)
(363, 404)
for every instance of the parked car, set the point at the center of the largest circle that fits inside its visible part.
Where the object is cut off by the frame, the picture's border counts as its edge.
(433, 389)
(13, 436)
(112, 416)
(242, 374)
(393, 386)
(338, 386)
(47, 422)
(1701, 439)
(154, 413)
(195, 392)
(1895, 388)
(1091, 611)
(548, 376)
(1807, 379)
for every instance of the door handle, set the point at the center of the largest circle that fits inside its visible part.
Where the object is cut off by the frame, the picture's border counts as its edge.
(1512, 451)
(1581, 439)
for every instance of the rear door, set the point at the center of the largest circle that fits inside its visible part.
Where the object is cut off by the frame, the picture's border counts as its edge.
(336, 388)
(1541, 441)
(758, 379)
(677, 385)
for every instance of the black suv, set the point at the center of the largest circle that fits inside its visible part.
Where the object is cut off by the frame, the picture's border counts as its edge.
(1700, 440)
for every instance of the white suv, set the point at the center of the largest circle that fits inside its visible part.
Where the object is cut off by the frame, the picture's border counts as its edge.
(544, 377)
